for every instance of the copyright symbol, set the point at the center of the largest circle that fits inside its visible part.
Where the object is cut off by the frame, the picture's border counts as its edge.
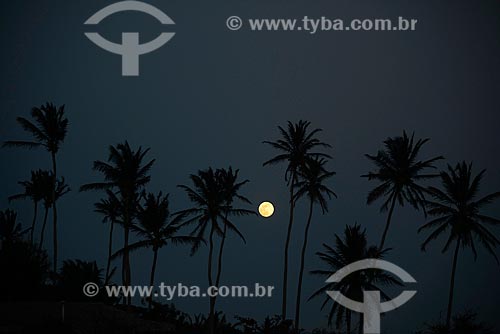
(234, 22)
(90, 289)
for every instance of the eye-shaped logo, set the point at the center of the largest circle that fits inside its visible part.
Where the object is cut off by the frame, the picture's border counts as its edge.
(371, 306)
(130, 49)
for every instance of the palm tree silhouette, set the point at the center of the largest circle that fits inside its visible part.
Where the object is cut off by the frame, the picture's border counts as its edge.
(311, 183)
(353, 247)
(50, 186)
(110, 208)
(210, 200)
(295, 148)
(128, 174)
(10, 230)
(34, 191)
(156, 230)
(399, 172)
(230, 186)
(457, 211)
(48, 130)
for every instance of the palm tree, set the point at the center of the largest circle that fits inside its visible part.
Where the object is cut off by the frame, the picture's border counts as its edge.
(311, 183)
(49, 131)
(33, 191)
(50, 187)
(111, 210)
(126, 173)
(295, 148)
(156, 230)
(10, 230)
(209, 201)
(399, 171)
(353, 247)
(457, 211)
(230, 186)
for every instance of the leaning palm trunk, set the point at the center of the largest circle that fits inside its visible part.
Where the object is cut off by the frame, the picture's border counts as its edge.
(287, 245)
(54, 209)
(43, 228)
(452, 285)
(388, 223)
(301, 272)
(110, 252)
(152, 278)
(35, 214)
(211, 320)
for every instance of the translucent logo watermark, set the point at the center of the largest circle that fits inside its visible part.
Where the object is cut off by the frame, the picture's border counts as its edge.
(130, 49)
(371, 307)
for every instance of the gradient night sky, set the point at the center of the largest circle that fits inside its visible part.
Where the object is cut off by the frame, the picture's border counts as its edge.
(211, 96)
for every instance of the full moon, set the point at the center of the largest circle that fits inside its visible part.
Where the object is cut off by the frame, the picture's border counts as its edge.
(266, 209)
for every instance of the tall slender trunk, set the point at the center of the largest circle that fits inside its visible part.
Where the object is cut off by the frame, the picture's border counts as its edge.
(221, 251)
(43, 228)
(452, 285)
(360, 324)
(152, 278)
(110, 252)
(211, 320)
(126, 276)
(287, 245)
(54, 208)
(35, 214)
(348, 321)
(388, 223)
(301, 272)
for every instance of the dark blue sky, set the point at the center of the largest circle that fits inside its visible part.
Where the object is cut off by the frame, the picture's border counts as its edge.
(211, 96)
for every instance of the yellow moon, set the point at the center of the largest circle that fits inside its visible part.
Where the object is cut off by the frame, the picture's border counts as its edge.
(266, 209)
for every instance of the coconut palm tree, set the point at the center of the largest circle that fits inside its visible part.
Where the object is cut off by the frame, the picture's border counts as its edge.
(209, 201)
(156, 230)
(230, 186)
(295, 148)
(312, 179)
(48, 130)
(399, 172)
(127, 174)
(457, 211)
(10, 230)
(351, 248)
(110, 208)
(33, 190)
(50, 187)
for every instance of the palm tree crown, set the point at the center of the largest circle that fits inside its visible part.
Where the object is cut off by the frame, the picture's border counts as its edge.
(295, 147)
(399, 172)
(459, 212)
(48, 129)
(311, 183)
(351, 248)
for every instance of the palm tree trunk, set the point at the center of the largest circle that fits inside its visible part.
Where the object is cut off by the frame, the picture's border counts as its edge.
(389, 217)
(360, 325)
(43, 228)
(35, 214)
(152, 279)
(287, 245)
(301, 272)
(110, 252)
(211, 319)
(127, 222)
(452, 285)
(221, 250)
(348, 321)
(54, 209)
